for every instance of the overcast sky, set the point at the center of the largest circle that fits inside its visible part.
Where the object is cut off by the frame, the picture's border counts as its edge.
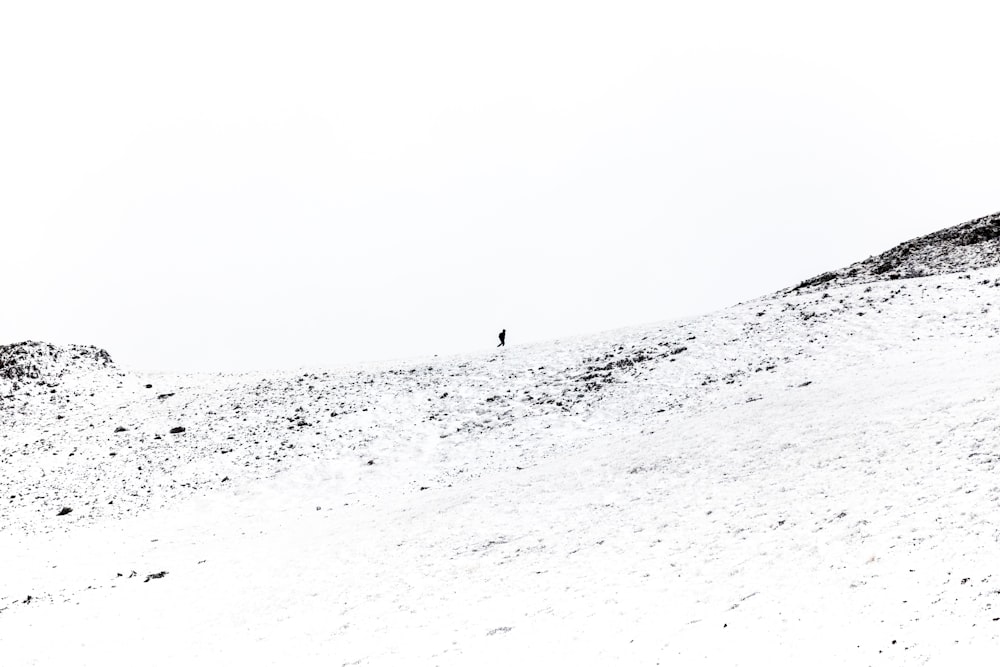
(245, 185)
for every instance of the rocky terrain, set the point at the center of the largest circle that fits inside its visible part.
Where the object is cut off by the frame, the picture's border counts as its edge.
(966, 247)
(46, 365)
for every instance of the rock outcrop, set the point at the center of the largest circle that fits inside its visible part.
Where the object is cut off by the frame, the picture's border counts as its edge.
(966, 247)
(32, 362)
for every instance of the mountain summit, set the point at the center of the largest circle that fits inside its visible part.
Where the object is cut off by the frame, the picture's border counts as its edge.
(969, 246)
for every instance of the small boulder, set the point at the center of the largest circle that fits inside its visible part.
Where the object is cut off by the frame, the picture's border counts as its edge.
(64, 511)
(178, 429)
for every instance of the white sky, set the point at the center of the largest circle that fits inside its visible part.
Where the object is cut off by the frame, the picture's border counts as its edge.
(236, 185)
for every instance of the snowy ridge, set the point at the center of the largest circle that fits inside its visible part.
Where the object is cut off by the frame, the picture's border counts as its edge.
(966, 247)
(806, 478)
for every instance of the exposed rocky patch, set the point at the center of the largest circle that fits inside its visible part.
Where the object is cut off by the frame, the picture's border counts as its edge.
(31, 362)
(969, 246)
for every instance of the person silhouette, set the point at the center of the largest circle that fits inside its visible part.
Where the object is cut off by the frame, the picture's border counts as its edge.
(503, 338)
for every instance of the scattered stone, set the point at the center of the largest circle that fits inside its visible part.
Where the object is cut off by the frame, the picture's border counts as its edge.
(155, 575)
(120, 429)
(64, 511)
(371, 462)
(177, 429)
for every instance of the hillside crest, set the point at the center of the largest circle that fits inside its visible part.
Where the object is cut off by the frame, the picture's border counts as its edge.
(33, 362)
(969, 246)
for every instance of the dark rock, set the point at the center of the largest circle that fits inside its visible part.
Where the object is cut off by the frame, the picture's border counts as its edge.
(29, 361)
(178, 429)
(156, 575)
(64, 511)
(944, 251)
(120, 429)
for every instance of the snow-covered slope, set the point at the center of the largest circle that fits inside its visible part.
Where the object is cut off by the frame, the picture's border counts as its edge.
(807, 478)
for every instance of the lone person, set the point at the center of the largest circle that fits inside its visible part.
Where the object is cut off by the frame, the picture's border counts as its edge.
(503, 338)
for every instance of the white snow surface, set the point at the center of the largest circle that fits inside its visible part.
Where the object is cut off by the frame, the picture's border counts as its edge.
(801, 479)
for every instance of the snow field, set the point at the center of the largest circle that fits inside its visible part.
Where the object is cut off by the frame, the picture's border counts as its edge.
(812, 479)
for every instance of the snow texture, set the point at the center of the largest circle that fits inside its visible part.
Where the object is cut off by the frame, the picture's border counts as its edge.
(807, 478)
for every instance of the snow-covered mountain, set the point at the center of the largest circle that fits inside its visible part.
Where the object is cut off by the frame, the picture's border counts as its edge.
(807, 478)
